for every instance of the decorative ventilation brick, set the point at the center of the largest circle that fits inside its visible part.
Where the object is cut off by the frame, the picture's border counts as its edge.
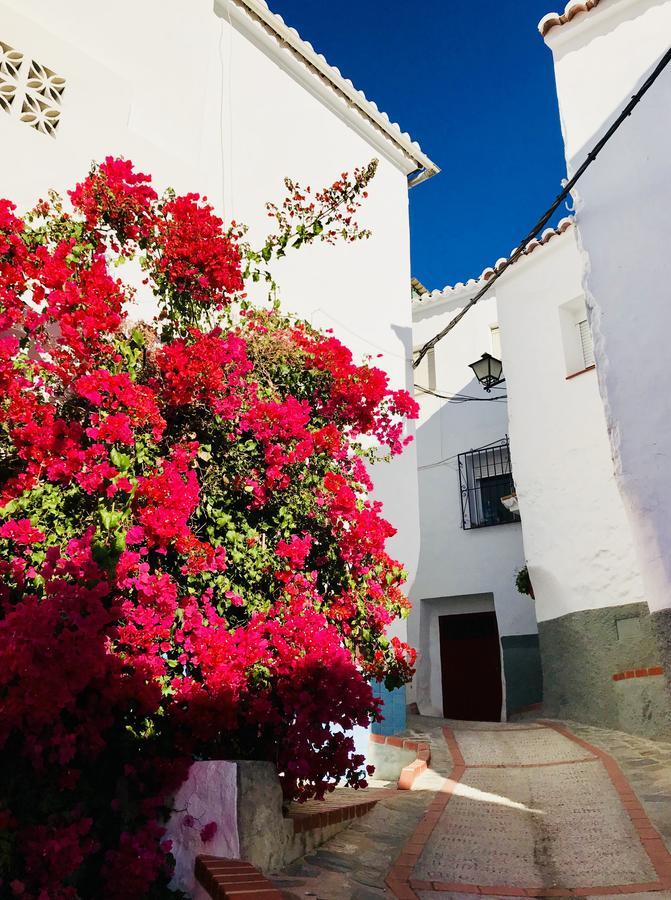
(30, 91)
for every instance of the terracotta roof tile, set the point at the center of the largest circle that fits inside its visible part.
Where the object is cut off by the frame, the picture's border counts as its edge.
(450, 291)
(573, 8)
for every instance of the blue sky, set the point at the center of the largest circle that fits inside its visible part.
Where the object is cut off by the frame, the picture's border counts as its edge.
(473, 83)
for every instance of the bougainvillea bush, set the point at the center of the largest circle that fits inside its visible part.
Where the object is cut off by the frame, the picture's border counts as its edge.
(191, 564)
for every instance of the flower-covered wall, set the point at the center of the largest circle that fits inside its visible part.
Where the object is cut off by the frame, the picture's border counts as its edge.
(203, 107)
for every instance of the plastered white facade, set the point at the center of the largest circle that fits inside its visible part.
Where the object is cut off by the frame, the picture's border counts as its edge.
(207, 100)
(624, 222)
(210, 793)
(576, 535)
(459, 571)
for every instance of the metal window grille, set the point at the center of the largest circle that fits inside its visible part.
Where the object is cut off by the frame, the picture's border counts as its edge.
(485, 476)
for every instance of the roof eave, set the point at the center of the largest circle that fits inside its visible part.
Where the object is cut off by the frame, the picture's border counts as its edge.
(572, 9)
(463, 291)
(269, 32)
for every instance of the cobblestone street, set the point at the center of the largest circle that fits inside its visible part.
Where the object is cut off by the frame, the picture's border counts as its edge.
(646, 765)
(518, 809)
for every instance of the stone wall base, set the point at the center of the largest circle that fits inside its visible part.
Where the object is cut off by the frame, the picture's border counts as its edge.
(607, 667)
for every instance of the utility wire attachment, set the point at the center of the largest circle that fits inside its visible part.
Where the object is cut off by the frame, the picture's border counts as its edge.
(542, 222)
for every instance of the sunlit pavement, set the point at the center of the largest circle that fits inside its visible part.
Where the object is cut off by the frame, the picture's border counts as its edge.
(528, 809)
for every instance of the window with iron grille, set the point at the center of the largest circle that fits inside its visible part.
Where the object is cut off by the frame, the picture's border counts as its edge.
(485, 476)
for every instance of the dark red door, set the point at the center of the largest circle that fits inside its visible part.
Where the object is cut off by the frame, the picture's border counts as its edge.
(470, 658)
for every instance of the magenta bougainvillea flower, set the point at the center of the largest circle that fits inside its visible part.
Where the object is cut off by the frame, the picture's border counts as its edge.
(191, 565)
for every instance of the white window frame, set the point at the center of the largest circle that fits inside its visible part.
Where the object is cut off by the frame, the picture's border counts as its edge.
(495, 340)
(425, 373)
(574, 328)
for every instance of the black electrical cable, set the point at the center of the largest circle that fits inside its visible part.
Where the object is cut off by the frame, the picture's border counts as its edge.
(460, 398)
(542, 222)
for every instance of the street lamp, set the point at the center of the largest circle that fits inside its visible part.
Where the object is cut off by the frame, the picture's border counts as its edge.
(488, 370)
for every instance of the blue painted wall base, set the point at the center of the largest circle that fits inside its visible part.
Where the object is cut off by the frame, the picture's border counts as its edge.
(393, 710)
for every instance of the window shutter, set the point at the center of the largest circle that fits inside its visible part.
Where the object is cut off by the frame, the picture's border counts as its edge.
(495, 334)
(586, 343)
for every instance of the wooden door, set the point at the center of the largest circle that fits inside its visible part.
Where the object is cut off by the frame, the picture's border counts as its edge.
(470, 658)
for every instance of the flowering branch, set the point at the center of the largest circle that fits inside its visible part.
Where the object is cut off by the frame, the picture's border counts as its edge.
(191, 562)
(327, 215)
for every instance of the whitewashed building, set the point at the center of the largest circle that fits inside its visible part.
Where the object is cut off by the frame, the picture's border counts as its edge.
(226, 100)
(475, 633)
(581, 320)
(599, 647)
(604, 50)
(593, 619)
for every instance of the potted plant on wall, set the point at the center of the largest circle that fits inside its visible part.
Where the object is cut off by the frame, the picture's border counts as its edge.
(523, 582)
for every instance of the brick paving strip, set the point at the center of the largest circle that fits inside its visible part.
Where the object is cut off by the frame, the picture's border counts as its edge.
(646, 765)
(622, 838)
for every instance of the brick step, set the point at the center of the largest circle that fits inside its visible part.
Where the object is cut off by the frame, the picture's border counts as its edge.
(413, 770)
(233, 879)
(342, 806)
(312, 823)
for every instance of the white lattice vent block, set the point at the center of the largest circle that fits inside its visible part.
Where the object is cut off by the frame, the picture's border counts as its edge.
(30, 91)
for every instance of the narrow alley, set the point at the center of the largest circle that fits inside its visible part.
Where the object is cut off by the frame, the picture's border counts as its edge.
(506, 810)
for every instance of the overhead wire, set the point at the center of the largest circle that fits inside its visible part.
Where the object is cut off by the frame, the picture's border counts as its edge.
(545, 218)
(459, 398)
(441, 462)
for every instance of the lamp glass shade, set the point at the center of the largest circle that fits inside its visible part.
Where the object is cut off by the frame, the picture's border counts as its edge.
(488, 370)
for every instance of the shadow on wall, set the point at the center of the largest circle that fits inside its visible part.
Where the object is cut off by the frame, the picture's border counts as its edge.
(444, 545)
(640, 435)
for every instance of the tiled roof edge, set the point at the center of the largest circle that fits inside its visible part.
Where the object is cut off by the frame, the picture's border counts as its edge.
(289, 38)
(572, 8)
(449, 291)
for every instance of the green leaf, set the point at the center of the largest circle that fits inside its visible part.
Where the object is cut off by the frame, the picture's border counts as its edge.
(121, 460)
(137, 337)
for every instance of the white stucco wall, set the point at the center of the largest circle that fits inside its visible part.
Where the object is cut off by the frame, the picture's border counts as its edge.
(191, 100)
(624, 223)
(474, 568)
(576, 535)
(209, 794)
